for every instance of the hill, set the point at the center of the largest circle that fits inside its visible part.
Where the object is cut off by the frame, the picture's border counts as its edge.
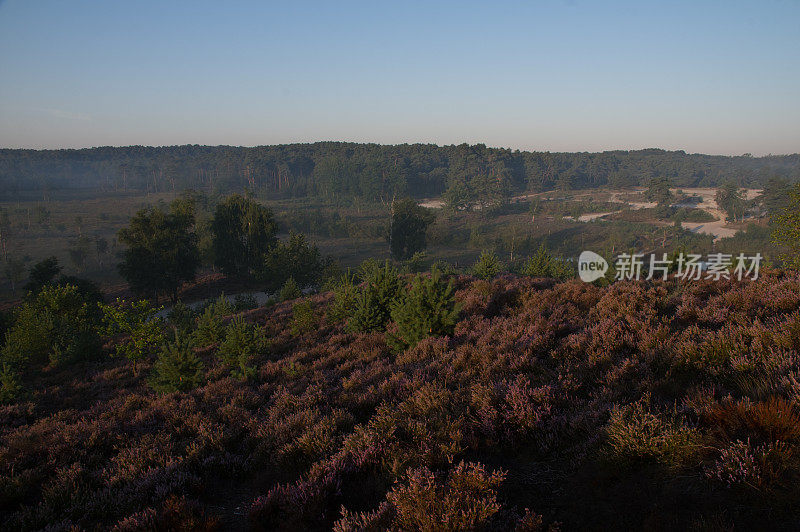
(653, 405)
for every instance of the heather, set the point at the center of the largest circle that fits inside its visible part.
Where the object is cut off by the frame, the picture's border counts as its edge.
(532, 404)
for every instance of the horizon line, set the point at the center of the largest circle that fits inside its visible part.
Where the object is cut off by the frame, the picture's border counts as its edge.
(308, 143)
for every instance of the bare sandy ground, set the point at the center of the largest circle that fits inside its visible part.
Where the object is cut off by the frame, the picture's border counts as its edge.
(718, 228)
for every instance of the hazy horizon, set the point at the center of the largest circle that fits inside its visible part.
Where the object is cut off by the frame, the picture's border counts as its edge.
(438, 144)
(712, 78)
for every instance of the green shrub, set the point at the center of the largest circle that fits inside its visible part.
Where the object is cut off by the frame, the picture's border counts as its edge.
(244, 302)
(182, 318)
(241, 344)
(637, 434)
(303, 319)
(9, 385)
(210, 326)
(177, 368)
(416, 263)
(296, 259)
(428, 309)
(143, 329)
(290, 290)
(345, 292)
(487, 266)
(57, 325)
(373, 306)
(543, 264)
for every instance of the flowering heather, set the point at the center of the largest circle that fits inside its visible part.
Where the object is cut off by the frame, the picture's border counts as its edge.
(643, 404)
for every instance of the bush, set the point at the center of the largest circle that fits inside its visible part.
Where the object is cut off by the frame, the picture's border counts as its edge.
(290, 290)
(182, 318)
(9, 385)
(428, 309)
(374, 304)
(637, 434)
(303, 319)
(487, 266)
(144, 331)
(345, 292)
(416, 263)
(465, 501)
(58, 326)
(244, 302)
(177, 368)
(241, 344)
(210, 326)
(542, 264)
(295, 258)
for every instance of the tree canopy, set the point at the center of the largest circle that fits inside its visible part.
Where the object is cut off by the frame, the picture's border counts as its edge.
(409, 225)
(162, 251)
(243, 233)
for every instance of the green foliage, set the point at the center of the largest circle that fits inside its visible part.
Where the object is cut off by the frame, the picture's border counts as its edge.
(303, 319)
(243, 233)
(487, 266)
(182, 318)
(428, 309)
(635, 434)
(543, 264)
(409, 225)
(374, 303)
(786, 230)
(290, 290)
(243, 341)
(143, 330)
(345, 293)
(162, 251)
(10, 388)
(295, 258)
(210, 326)
(658, 190)
(177, 368)
(416, 263)
(731, 199)
(42, 273)
(58, 325)
(244, 302)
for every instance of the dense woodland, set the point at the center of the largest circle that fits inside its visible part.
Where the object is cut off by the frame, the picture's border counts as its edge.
(370, 172)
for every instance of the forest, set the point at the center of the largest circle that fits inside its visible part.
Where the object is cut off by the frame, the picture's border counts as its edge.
(369, 172)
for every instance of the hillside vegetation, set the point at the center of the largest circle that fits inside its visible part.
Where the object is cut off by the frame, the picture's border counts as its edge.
(658, 405)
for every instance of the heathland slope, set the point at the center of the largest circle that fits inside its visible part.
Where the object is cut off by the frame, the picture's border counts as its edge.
(654, 405)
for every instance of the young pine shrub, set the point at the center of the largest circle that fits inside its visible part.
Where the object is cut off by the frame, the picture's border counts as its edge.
(143, 330)
(428, 309)
(242, 343)
(543, 264)
(373, 306)
(210, 326)
(487, 266)
(345, 292)
(10, 388)
(290, 290)
(303, 319)
(177, 368)
(182, 318)
(58, 325)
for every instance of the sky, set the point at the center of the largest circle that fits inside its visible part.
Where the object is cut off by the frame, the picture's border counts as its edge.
(720, 77)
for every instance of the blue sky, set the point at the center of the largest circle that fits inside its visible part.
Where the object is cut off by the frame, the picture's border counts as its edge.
(712, 77)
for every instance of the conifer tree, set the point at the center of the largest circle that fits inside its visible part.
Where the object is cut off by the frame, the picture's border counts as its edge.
(177, 368)
(429, 309)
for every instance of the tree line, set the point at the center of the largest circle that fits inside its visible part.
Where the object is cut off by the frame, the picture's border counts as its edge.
(337, 171)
